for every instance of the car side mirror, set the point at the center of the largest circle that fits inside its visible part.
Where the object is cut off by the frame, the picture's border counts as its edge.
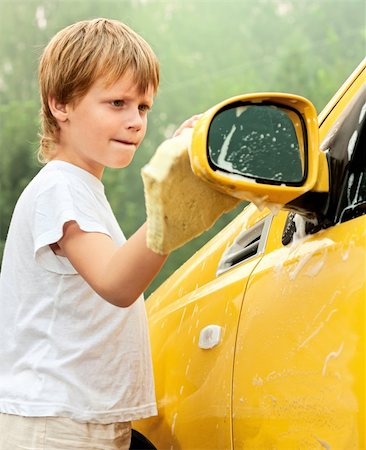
(262, 148)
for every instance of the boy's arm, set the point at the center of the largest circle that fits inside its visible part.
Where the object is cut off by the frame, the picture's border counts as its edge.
(118, 274)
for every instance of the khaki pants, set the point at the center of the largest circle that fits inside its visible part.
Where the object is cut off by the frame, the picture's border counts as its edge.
(59, 433)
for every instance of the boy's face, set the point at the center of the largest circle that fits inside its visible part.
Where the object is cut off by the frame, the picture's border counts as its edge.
(105, 127)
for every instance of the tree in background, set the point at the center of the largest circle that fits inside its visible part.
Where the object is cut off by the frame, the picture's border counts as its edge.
(209, 50)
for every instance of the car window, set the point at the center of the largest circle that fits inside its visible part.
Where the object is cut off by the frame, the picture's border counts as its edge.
(345, 146)
(353, 195)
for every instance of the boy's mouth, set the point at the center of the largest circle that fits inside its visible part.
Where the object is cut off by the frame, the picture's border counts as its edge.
(121, 141)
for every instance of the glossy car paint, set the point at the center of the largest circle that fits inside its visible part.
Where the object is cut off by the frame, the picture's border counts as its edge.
(289, 370)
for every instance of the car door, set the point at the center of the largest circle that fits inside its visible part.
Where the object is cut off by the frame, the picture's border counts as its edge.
(299, 373)
(193, 332)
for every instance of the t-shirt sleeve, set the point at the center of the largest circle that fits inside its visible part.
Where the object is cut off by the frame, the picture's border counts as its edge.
(56, 205)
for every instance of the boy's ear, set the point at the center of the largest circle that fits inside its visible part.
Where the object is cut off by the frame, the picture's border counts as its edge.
(58, 110)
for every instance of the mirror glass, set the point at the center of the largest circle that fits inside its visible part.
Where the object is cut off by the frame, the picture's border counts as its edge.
(258, 141)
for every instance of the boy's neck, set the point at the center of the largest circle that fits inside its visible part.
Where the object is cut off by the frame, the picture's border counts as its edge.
(61, 154)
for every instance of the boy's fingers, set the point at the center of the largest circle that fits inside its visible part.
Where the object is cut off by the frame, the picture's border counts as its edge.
(189, 123)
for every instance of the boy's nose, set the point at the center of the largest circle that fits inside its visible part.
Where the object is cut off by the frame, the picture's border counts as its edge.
(134, 120)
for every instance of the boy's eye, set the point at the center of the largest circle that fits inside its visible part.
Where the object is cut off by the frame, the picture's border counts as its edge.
(117, 103)
(144, 108)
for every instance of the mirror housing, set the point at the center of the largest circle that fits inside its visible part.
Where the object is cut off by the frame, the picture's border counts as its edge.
(218, 145)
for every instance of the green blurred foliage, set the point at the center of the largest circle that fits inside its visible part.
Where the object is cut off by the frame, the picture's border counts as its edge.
(209, 50)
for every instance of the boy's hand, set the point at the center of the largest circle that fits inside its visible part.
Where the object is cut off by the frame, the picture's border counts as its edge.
(189, 123)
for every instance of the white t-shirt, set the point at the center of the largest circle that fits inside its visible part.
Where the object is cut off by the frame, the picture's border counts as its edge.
(64, 351)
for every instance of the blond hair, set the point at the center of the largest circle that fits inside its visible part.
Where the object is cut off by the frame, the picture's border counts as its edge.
(80, 54)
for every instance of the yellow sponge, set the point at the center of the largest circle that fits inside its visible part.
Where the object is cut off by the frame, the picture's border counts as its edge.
(179, 205)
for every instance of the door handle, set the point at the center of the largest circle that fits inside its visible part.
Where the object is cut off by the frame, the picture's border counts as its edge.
(210, 336)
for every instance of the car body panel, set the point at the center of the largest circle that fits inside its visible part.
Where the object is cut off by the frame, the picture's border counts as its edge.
(303, 382)
(193, 391)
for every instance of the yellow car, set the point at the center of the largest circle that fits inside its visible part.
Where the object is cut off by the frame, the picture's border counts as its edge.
(258, 340)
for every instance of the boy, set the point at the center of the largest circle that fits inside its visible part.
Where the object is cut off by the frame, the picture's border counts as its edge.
(75, 364)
